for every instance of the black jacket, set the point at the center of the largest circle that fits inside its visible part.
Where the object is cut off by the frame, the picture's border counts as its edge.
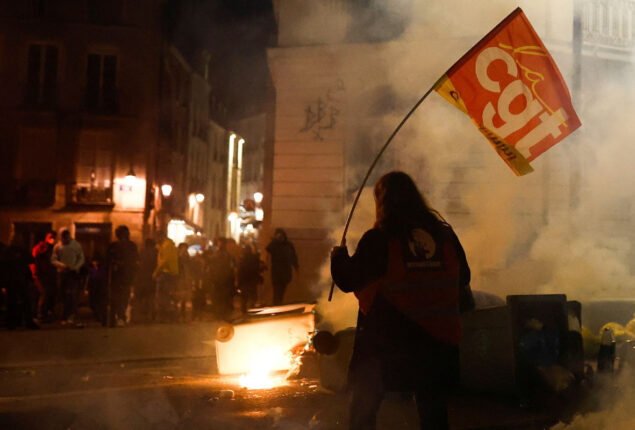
(407, 355)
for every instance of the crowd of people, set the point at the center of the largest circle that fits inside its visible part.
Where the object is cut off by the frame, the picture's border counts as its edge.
(161, 282)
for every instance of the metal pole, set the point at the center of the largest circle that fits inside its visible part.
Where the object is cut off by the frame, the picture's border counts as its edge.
(372, 166)
(574, 153)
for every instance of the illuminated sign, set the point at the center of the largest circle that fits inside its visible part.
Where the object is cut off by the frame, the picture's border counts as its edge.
(129, 194)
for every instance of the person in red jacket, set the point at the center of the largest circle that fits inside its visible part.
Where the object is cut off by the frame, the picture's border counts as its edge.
(45, 277)
(411, 278)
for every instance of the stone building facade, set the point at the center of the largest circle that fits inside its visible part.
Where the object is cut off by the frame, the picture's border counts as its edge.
(79, 115)
(99, 111)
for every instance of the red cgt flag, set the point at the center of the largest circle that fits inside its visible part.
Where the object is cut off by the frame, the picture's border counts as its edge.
(513, 91)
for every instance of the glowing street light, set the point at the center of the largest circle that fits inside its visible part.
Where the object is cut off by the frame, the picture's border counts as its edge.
(200, 197)
(258, 197)
(166, 190)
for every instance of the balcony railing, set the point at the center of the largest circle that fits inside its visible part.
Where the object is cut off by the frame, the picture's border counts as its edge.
(86, 195)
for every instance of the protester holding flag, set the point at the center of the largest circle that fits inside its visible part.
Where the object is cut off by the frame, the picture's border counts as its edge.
(411, 278)
(409, 272)
(511, 88)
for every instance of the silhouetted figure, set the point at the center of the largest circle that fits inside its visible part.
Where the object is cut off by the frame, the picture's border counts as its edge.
(68, 258)
(282, 259)
(98, 288)
(145, 286)
(184, 287)
(249, 276)
(222, 273)
(411, 278)
(199, 292)
(123, 263)
(45, 277)
(19, 282)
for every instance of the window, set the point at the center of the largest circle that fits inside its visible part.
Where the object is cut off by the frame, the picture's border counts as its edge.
(30, 233)
(101, 82)
(94, 167)
(41, 86)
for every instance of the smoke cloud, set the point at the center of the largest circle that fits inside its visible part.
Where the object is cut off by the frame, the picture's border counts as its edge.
(614, 413)
(564, 228)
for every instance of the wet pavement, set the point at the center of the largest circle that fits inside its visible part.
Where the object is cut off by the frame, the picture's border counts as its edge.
(185, 394)
(170, 394)
(102, 379)
(160, 396)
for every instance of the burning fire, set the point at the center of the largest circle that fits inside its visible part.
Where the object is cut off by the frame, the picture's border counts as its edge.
(264, 347)
(262, 367)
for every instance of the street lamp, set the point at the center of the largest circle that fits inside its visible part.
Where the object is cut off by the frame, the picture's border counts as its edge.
(200, 197)
(166, 190)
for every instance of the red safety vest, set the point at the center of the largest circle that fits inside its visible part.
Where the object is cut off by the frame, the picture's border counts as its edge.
(423, 287)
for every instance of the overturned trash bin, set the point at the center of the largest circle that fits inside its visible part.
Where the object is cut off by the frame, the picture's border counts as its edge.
(266, 342)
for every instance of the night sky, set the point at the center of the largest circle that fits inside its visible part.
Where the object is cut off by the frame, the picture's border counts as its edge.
(236, 32)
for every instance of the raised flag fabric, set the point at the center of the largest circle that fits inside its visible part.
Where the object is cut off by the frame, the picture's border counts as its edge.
(513, 91)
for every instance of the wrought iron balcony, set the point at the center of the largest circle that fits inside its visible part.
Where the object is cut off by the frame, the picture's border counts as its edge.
(87, 195)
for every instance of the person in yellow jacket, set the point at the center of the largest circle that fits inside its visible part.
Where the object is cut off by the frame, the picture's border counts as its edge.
(166, 275)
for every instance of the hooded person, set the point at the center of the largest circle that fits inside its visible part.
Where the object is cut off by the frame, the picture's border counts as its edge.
(411, 277)
(283, 259)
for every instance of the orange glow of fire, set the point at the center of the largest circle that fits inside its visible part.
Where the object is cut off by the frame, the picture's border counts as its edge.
(262, 366)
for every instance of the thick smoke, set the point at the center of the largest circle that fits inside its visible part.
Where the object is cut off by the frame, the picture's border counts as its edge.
(564, 228)
(615, 412)
(341, 312)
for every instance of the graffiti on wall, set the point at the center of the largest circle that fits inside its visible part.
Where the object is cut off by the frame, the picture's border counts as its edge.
(323, 114)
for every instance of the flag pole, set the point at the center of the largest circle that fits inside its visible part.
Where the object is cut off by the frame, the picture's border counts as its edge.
(372, 166)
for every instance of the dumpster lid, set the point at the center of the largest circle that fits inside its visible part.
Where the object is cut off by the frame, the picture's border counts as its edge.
(282, 309)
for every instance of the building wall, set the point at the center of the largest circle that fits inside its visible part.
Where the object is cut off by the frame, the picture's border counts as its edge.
(53, 138)
(216, 214)
(308, 154)
(253, 130)
(195, 146)
(174, 137)
(197, 170)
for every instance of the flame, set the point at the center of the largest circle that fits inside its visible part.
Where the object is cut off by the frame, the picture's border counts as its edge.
(262, 366)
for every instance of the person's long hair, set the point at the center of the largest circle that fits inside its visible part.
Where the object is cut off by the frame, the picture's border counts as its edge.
(400, 206)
